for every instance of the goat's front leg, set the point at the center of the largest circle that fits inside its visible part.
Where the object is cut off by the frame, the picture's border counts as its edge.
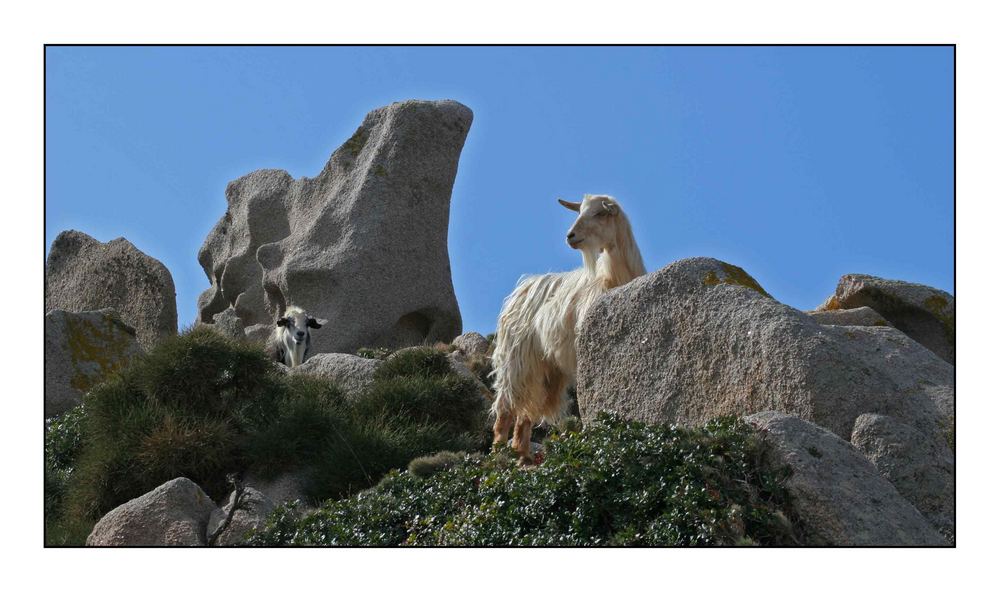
(501, 428)
(522, 440)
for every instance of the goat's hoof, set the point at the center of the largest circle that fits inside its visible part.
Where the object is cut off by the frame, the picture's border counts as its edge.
(524, 461)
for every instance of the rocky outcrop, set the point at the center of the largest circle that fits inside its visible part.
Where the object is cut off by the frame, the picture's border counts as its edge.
(353, 374)
(857, 317)
(81, 350)
(252, 512)
(921, 469)
(699, 339)
(363, 244)
(924, 313)
(174, 514)
(82, 274)
(836, 491)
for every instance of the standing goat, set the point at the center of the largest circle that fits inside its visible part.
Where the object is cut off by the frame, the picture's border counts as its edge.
(534, 359)
(290, 339)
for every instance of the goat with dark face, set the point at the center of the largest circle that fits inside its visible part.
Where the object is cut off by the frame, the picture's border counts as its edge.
(290, 340)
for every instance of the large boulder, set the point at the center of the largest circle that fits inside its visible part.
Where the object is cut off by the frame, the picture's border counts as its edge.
(252, 512)
(472, 344)
(836, 492)
(353, 374)
(700, 338)
(363, 244)
(924, 313)
(921, 469)
(174, 514)
(82, 273)
(81, 350)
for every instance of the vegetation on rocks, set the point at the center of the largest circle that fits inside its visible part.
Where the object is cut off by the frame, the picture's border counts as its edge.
(612, 483)
(203, 406)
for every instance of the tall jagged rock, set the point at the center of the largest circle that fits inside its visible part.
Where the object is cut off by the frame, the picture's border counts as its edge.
(364, 244)
(83, 274)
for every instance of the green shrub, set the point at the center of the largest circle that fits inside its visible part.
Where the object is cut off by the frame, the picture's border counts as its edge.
(612, 483)
(63, 438)
(415, 362)
(203, 406)
(425, 466)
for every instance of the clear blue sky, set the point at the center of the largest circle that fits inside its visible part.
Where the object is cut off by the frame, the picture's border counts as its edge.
(799, 164)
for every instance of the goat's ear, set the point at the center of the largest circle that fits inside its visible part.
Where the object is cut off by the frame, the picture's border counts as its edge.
(611, 208)
(570, 205)
(316, 323)
(282, 322)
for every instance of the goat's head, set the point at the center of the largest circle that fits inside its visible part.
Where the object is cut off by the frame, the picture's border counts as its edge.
(595, 228)
(297, 324)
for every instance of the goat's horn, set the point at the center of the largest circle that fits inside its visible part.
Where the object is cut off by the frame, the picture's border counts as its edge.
(571, 205)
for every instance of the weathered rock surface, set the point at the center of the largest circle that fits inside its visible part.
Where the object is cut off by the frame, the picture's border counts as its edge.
(229, 324)
(837, 492)
(353, 374)
(252, 512)
(81, 350)
(924, 313)
(700, 338)
(82, 274)
(363, 244)
(472, 344)
(259, 333)
(922, 469)
(174, 514)
(282, 489)
(861, 317)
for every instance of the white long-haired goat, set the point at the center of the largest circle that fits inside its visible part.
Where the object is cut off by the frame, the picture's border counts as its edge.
(290, 339)
(534, 357)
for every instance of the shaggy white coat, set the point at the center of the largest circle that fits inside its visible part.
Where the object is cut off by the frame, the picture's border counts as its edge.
(534, 359)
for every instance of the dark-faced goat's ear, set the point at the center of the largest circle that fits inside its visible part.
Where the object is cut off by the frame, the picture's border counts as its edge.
(570, 205)
(316, 323)
(282, 322)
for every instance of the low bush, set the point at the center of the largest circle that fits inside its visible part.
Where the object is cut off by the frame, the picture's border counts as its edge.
(202, 406)
(611, 483)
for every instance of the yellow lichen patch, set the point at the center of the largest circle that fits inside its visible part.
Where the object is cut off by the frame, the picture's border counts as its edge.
(831, 304)
(937, 306)
(880, 323)
(102, 344)
(734, 276)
